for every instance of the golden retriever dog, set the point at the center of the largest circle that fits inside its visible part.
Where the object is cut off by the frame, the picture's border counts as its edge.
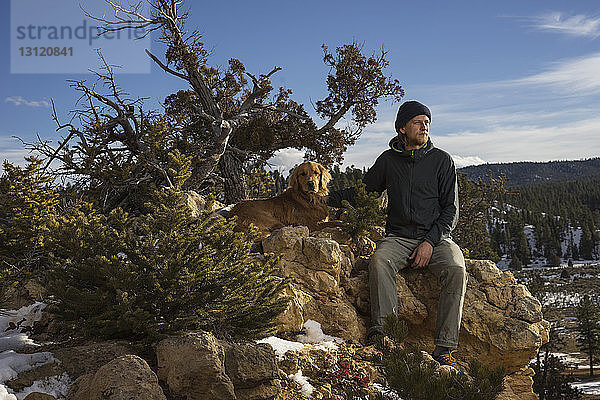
(304, 202)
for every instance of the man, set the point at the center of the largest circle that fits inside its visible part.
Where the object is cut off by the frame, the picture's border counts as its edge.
(422, 211)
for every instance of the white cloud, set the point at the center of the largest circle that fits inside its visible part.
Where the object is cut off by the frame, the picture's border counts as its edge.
(577, 76)
(576, 25)
(285, 159)
(567, 141)
(460, 161)
(21, 101)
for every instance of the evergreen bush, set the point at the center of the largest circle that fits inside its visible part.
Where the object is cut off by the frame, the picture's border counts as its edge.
(145, 276)
(28, 215)
(364, 215)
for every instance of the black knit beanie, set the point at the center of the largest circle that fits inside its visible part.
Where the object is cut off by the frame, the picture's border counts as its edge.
(408, 110)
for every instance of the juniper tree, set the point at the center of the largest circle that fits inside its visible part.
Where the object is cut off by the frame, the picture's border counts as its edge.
(228, 120)
(588, 339)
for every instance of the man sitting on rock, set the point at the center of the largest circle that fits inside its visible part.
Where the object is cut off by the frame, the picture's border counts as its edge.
(422, 211)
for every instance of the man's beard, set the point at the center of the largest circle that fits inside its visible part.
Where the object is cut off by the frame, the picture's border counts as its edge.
(418, 141)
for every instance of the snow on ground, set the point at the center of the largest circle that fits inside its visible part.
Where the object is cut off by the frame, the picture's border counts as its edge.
(390, 393)
(13, 323)
(305, 387)
(592, 387)
(529, 231)
(281, 346)
(312, 337)
(314, 334)
(562, 299)
(56, 386)
(571, 359)
(23, 317)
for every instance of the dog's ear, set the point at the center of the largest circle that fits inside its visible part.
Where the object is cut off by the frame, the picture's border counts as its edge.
(325, 178)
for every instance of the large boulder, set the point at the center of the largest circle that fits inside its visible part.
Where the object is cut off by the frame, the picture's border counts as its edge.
(502, 322)
(316, 266)
(125, 378)
(197, 366)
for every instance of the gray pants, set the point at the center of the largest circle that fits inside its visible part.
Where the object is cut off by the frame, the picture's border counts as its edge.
(447, 264)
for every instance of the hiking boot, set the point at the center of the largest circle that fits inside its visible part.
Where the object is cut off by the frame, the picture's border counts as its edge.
(447, 358)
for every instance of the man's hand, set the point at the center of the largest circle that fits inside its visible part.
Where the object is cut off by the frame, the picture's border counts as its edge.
(421, 255)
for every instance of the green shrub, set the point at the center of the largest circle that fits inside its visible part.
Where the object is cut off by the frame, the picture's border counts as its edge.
(364, 215)
(27, 218)
(126, 276)
(147, 275)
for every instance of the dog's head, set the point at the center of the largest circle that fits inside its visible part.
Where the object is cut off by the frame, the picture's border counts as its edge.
(310, 178)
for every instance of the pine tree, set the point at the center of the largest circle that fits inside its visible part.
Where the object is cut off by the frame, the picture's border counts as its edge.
(588, 339)
(475, 200)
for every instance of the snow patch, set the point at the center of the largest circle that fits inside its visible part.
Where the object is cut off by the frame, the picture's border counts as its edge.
(281, 346)
(592, 387)
(13, 325)
(305, 387)
(21, 318)
(312, 337)
(56, 386)
(314, 334)
(12, 363)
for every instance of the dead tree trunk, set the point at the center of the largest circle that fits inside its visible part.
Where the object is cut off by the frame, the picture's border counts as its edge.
(235, 184)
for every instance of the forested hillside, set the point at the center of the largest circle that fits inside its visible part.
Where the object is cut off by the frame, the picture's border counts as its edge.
(521, 173)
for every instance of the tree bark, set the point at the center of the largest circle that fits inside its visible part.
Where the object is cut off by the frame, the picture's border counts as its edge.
(232, 171)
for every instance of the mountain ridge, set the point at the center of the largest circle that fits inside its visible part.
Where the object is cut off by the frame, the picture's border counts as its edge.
(528, 172)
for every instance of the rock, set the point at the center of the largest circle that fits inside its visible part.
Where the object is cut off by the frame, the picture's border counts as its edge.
(193, 367)
(518, 386)
(39, 396)
(286, 241)
(316, 266)
(23, 295)
(198, 366)
(125, 378)
(253, 370)
(75, 361)
(502, 322)
(197, 203)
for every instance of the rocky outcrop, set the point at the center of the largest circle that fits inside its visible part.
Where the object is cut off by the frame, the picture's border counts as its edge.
(125, 378)
(197, 366)
(316, 266)
(502, 322)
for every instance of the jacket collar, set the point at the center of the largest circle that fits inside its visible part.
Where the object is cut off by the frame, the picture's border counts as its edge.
(396, 145)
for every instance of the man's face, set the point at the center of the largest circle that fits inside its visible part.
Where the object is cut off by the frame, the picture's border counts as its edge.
(417, 132)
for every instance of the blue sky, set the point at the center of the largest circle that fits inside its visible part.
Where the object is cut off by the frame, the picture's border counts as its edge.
(506, 81)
